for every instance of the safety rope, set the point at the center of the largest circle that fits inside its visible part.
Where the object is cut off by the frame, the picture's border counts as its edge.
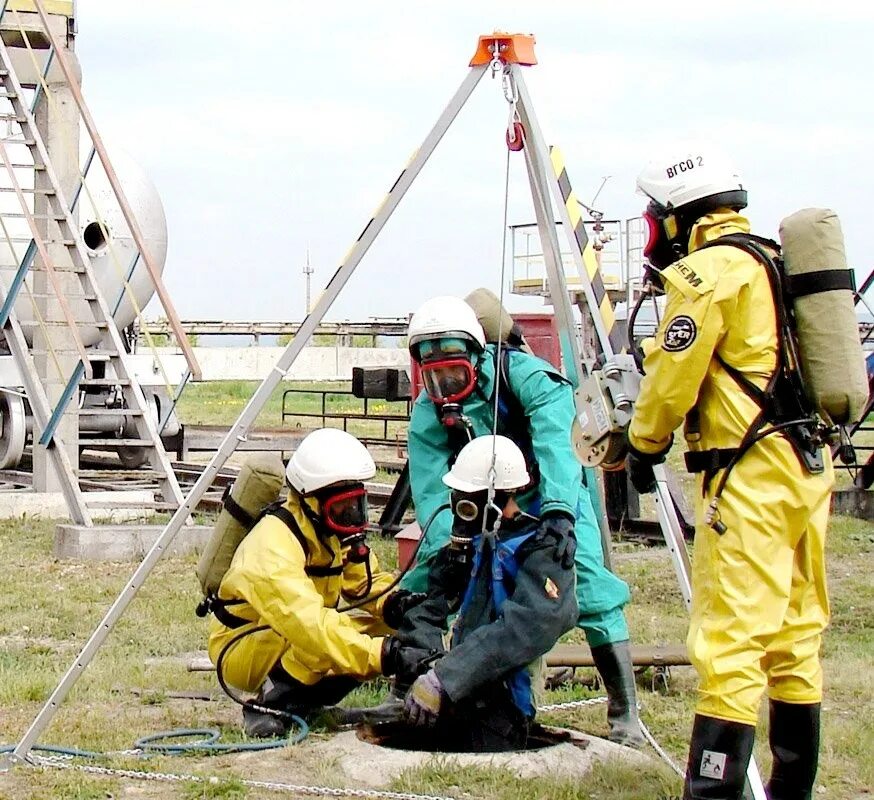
(104, 229)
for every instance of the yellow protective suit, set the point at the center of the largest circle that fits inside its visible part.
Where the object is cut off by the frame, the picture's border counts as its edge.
(305, 631)
(759, 602)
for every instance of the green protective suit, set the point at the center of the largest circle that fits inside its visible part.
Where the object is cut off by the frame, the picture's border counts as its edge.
(546, 398)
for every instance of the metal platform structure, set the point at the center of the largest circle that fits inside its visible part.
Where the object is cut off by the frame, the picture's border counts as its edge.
(395, 327)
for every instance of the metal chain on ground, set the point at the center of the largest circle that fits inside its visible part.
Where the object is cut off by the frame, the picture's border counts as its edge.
(65, 761)
(312, 791)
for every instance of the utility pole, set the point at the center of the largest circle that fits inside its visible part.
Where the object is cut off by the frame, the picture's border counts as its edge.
(308, 271)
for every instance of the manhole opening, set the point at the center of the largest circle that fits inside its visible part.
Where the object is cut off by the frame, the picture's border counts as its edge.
(397, 736)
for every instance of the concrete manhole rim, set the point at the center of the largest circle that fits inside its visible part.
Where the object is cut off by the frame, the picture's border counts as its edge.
(366, 763)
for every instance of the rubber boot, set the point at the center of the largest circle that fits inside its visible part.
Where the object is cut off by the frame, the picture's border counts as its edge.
(794, 738)
(389, 710)
(613, 662)
(275, 693)
(282, 692)
(719, 754)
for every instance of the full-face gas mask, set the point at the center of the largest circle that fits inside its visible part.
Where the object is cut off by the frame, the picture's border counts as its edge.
(472, 514)
(343, 513)
(447, 369)
(664, 244)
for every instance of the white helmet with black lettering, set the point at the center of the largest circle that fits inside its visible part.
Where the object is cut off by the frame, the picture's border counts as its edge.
(684, 184)
(689, 174)
(328, 456)
(472, 470)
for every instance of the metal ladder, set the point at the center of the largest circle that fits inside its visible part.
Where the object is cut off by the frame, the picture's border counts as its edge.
(103, 365)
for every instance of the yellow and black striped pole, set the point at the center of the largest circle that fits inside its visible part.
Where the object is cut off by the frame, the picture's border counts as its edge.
(592, 268)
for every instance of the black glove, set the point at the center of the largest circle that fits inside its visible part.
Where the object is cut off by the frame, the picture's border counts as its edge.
(397, 604)
(405, 662)
(557, 529)
(639, 467)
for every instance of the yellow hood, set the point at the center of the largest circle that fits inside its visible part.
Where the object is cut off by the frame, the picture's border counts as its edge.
(718, 223)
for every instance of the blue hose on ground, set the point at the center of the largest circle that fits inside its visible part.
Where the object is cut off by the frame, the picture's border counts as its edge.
(51, 748)
(157, 743)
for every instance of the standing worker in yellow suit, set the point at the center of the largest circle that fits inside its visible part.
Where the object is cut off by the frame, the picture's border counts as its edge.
(759, 602)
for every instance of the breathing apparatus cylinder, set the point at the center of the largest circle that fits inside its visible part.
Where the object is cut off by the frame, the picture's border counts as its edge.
(496, 322)
(257, 485)
(820, 288)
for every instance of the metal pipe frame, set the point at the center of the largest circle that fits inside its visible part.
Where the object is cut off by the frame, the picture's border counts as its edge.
(69, 230)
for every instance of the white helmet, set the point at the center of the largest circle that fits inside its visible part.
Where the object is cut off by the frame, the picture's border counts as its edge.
(691, 172)
(470, 472)
(328, 456)
(446, 317)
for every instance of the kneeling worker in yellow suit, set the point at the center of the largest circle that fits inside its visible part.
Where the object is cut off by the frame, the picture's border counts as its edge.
(277, 629)
(759, 602)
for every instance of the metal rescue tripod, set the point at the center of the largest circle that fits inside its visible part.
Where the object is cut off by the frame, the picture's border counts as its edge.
(603, 396)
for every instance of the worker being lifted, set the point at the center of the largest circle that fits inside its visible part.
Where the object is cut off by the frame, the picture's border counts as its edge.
(759, 603)
(513, 597)
(276, 628)
(535, 409)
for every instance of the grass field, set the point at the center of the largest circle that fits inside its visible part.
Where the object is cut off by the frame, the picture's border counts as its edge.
(49, 608)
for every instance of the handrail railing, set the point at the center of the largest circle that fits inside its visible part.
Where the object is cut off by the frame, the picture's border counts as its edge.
(364, 415)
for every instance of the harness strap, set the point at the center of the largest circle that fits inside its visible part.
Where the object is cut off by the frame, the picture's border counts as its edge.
(759, 396)
(768, 399)
(313, 570)
(712, 460)
(213, 603)
(229, 620)
(825, 280)
(236, 510)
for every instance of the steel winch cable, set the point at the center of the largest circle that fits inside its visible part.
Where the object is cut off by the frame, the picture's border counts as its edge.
(513, 129)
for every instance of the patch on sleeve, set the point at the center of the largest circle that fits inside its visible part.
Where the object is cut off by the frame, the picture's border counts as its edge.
(551, 589)
(679, 334)
(688, 281)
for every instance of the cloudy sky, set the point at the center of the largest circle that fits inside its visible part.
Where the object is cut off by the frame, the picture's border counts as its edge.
(277, 126)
